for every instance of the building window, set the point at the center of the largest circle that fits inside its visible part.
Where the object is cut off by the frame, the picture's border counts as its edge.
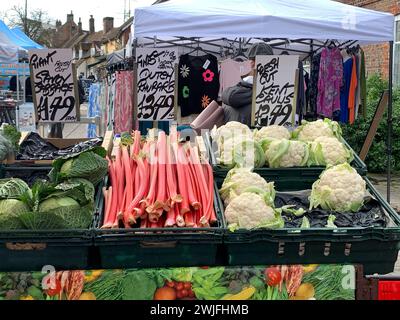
(396, 56)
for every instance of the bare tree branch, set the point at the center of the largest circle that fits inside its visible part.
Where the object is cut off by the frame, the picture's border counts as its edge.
(35, 26)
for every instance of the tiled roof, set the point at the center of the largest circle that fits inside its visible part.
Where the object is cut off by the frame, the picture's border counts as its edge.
(126, 24)
(74, 41)
(100, 37)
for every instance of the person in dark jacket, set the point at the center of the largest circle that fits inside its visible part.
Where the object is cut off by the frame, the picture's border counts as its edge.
(28, 90)
(237, 100)
(13, 84)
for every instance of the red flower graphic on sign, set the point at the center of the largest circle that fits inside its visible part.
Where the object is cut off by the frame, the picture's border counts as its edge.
(208, 75)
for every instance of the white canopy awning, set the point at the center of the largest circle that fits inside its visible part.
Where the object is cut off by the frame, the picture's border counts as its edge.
(9, 50)
(291, 19)
(8, 53)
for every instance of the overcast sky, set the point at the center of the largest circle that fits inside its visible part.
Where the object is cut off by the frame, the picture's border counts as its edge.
(58, 9)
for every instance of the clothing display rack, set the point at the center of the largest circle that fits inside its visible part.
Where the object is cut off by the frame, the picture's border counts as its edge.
(124, 65)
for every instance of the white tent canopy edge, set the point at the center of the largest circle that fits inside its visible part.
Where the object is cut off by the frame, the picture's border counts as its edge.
(291, 19)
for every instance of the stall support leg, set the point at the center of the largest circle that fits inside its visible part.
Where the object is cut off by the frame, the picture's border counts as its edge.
(390, 123)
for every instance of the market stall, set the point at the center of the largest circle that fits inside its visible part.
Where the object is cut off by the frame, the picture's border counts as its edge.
(271, 21)
(14, 77)
(218, 217)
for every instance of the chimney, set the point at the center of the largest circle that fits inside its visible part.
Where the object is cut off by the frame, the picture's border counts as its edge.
(70, 17)
(80, 26)
(58, 24)
(91, 24)
(108, 24)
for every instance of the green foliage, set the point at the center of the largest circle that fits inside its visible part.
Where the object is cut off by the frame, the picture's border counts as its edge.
(355, 134)
(69, 205)
(12, 188)
(63, 218)
(138, 285)
(89, 165)
(329, 280)
(9, 140)
(12, 134)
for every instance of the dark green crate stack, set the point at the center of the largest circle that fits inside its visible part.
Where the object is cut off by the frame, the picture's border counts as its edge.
(375, 248)
(143, 248)
(22, 250)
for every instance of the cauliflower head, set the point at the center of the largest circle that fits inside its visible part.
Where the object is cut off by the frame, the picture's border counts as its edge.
(329, 151)
(310, 131)
(240, 151)
(230, 130)
(339, 189)
(248, 154)
(287, 154)
(240, 180)
(226, 138)
(272, 132)
(225, 150)
(249, 211)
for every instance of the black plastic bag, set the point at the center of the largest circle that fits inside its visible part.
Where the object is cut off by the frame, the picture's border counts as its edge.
(30, 176)
(370, 215)
(34, 147)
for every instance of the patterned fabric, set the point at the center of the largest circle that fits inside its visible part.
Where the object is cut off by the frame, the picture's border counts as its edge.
(198, 83)
(123, 109)
(353, 91)
(301, 94)
(345, 90)
(329, 82)
(307, 93)
(94, 107)
(358, 92)
(313, 87)
(109, 114)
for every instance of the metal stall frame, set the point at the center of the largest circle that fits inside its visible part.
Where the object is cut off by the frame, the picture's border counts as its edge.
(390, 124)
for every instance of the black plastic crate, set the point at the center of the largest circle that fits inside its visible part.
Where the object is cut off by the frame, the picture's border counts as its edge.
(296, 178)
(32, 250)
(143, 248)
(27, 173)
(374, 248)
(28, 250)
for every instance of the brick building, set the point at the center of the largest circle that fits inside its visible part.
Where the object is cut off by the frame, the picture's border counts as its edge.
(64, 32)
(377, 56)
(90, 47)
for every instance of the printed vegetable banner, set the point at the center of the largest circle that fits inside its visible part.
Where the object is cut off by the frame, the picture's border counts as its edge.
(311, 282)
(275, 88)
(156, 83)
(54, 85)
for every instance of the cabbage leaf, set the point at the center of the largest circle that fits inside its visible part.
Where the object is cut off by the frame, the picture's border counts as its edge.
(12, 188)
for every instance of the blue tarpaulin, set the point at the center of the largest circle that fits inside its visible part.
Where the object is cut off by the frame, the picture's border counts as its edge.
(10, 37)
(19, 33)
(8, 50)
